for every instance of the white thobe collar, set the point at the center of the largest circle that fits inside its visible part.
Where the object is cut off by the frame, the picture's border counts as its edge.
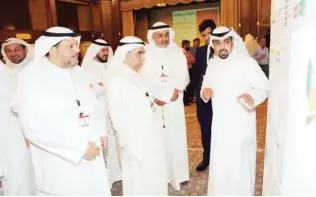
(14, 66)
(56, 68)
(99, 65)
(160, 53)
(129, 71)
(228, 61)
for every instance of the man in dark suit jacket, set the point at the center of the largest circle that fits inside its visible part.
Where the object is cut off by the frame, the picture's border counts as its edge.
(204, 110)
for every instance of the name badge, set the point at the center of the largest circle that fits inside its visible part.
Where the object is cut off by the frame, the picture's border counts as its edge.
(152, 106)
(83, 120)
(164, 78)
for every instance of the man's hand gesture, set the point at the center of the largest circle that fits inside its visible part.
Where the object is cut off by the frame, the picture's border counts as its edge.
(207, 93)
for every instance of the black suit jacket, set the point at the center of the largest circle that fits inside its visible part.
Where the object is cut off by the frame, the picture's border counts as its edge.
(200, 65)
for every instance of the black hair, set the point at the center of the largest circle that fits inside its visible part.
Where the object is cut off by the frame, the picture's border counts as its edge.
(185, 42)
(207, 23)
(196, 39)
(262, 37)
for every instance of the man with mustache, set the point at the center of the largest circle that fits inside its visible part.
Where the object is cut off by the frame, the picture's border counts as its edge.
(131, 109)
(14, 155)
(58, 114)
(95, 64)
(236, 84)
(166, 76)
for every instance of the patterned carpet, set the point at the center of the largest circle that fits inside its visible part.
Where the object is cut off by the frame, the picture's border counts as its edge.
(198, 180)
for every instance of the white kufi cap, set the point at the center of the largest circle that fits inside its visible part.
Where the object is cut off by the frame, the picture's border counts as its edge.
(222, 33)
(127, 44)
(50, 38)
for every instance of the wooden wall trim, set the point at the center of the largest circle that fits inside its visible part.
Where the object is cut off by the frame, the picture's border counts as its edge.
(239, 17)
(106, 13)
(229, 13)
(111, 20)
(30, 13)
(117, 25)
(5, 34)
(139, 4)
(51, 12)
(258, 17)
(128, 18)
(80, 2)
(253, 17)
(263, 19)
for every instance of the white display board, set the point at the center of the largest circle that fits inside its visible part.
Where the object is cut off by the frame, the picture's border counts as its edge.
(290, 160)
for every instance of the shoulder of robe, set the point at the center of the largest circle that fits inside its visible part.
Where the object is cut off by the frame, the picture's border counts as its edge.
(176, 52)
(28, 78)
(251, 61)
(247, 62)
(116, 79)
(2, 67)
(81, 72)
(30, 70)
(211, 62)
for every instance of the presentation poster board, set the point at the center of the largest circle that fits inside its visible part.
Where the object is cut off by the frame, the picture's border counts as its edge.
(184, 25)
(186, 22)
(290, 164)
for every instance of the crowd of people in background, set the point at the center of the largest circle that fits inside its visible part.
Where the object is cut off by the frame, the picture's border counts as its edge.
(70, 129)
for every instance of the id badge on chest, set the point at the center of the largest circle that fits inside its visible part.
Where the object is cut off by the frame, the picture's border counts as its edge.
(152, 106)
(83, 120)
(164, 78)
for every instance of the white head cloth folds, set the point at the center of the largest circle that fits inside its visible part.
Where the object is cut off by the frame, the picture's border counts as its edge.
(127, 44)
(160, 26)
(50, 38)
(221, 33)
(93, 50)
(30, 49)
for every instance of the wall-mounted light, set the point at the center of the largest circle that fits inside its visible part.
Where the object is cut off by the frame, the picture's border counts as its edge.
(161, 5)
(23, 36)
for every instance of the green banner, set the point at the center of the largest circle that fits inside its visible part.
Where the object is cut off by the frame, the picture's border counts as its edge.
(184, 25)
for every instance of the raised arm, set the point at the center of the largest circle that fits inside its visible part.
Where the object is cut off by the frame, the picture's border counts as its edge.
(206, 84)
(258, 81)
